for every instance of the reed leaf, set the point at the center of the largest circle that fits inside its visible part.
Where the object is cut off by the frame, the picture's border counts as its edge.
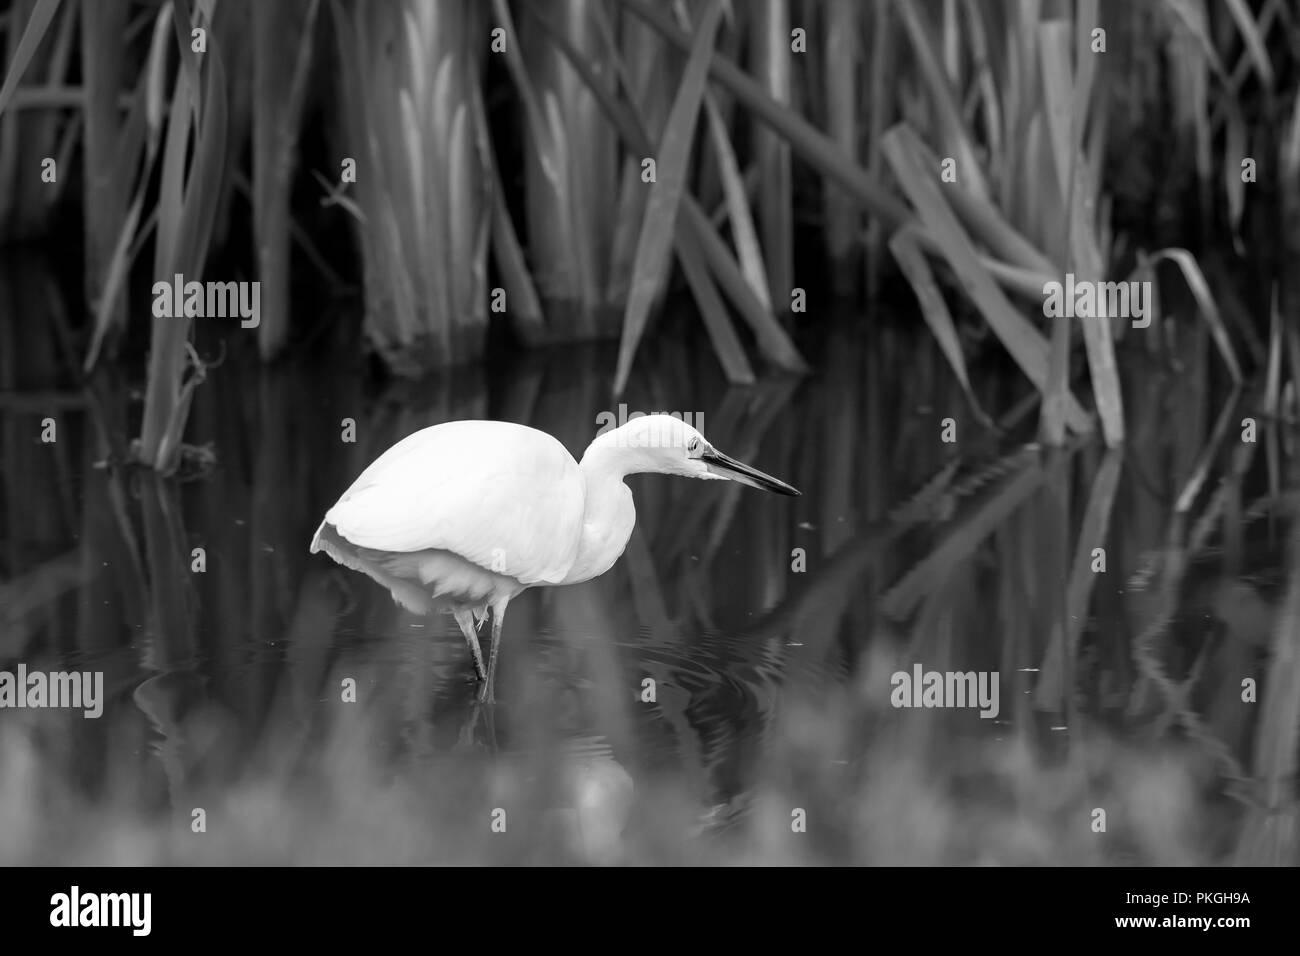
(142, 130)
(952, 130)
(37, 26)
(1025, 343)
(843, 54)
(1273, 376)
(726, 344)
(424, 184)
(1205, 460)
(186, 212)
(748, 252)
(277, 111)
(976, 520)
(1279, 723)
(1200, 290)
(1058, 101)
(813, 145)
(771, 62)
(1256, 47)
(772, 339)
(934, 310)
(1063, 647)
(990, 227)
(107, 135)
(665, 194)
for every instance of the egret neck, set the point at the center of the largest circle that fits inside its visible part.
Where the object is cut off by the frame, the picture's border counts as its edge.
(609, 515)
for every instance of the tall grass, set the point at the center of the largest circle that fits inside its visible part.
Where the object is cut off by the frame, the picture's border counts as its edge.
(844, 66)
(281, 85)
(417, 129)
(35, 124)
(187, 193)
(112, 143)
(1050, 152)
(696, 239)
(772, 64)
(655, 241)
(581, 195)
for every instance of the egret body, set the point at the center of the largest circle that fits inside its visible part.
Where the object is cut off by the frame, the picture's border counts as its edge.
(465, 515)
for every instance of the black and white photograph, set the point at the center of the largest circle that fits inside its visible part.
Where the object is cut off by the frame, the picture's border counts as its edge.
(651, 433)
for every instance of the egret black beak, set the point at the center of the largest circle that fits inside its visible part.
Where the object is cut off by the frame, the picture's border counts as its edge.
(727, 467)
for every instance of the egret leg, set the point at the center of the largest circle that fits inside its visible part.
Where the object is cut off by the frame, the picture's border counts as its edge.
(465, 618)
(498, 615)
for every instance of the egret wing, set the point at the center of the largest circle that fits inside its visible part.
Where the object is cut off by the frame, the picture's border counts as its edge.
(506, 497)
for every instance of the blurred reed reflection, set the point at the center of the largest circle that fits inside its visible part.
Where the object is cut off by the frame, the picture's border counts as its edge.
(769, 627)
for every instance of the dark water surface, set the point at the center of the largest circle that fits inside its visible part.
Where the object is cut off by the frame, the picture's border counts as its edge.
(770, 627)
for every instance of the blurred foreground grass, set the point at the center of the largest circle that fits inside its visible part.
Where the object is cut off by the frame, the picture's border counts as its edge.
(875, 787)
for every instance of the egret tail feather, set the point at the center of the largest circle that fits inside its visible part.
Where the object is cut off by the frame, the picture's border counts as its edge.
(406, 593)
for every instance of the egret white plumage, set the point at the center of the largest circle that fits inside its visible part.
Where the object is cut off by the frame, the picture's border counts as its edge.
(465, 515)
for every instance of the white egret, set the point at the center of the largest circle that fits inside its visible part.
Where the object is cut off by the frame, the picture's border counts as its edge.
(465, 515)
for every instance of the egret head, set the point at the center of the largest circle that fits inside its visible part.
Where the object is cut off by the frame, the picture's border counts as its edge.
(666, 445)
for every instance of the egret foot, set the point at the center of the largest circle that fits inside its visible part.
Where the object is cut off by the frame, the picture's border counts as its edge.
(486, 695)
(465, 619)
